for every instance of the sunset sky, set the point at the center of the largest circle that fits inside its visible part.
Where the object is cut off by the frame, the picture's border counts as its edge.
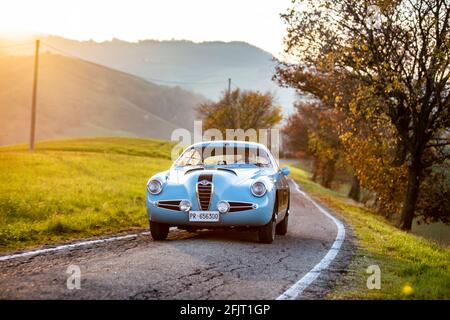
(253, 21)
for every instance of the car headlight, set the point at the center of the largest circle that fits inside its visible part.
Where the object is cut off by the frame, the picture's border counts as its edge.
(258, 189)
(223, 206)
(185, 205)
(154, 186)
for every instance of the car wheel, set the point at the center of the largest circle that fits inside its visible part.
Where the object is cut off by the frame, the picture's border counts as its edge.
(159, 231)
(267, 233)
(283, 225)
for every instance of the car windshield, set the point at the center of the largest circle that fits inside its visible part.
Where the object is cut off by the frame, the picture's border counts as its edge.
(224, 156)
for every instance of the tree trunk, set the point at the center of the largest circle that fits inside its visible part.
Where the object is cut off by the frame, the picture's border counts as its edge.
(411, 196)
(328, 173)
(355, 190)
(316, 169)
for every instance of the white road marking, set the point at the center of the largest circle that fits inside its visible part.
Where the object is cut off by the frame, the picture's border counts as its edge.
(70, 246)
(298, 288)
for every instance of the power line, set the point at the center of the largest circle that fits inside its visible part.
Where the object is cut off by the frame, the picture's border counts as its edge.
(163, 81)
(65, 52)
(185, 82)
(16, 45)
(235, 85)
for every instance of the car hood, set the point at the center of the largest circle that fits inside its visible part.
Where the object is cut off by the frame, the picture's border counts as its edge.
(233, 176)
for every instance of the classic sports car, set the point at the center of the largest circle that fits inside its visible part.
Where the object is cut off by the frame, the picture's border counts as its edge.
(219, 184)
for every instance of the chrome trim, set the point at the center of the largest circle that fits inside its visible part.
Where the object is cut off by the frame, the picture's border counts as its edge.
(265, 185)
(175, 206)
(227, 170)
(192, 170)
(223, 201)
(204, 183)
(161, 184)
(246, 205)
(190, 205)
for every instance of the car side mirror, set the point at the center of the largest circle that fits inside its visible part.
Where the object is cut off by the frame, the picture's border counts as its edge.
(285, 171)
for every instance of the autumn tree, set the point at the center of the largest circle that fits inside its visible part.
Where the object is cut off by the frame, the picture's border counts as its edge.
(370, 150)
(311, 131)
(240, 110)
(323, 118)
(367, 145)
(398, 55)
(295, 135)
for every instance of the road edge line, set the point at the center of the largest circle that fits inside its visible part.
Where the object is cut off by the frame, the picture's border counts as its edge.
(297, 289)
(69, 246)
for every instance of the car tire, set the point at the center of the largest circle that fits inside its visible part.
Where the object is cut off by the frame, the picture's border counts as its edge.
(283, 225)
(159, 231)
(266, 233)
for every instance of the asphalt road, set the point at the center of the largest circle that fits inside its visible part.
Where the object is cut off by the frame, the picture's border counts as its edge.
(202, 265)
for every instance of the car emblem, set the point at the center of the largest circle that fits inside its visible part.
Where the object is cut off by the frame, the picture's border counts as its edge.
(204, 182)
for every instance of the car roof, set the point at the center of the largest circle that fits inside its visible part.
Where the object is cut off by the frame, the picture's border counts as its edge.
(234, 143)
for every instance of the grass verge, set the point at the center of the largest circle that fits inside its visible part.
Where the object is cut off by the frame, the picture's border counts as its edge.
(411, 267)
(75, 188)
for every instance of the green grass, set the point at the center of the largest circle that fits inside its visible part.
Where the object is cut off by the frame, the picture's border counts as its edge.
(75, 188)
(411, 266)
(438, 231)
(110, 145)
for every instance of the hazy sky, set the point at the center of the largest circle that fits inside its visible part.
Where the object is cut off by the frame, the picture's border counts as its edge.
(253, 21)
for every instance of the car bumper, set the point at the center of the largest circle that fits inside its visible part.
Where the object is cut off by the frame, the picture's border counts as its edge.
(249, 218)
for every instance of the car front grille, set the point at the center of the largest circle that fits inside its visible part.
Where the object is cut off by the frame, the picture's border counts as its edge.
(169, 204)
(241, 206)
(204, 191)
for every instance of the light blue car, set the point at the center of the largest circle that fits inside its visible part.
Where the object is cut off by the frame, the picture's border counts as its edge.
(220, 184)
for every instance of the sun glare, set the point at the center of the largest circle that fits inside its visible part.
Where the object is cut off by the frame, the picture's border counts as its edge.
(253, 21)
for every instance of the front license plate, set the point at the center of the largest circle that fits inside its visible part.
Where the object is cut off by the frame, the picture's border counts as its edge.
(204, 216)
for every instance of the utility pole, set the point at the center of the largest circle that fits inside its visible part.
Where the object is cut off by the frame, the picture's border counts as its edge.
(229, 91)
(33, 101)
(228, 101)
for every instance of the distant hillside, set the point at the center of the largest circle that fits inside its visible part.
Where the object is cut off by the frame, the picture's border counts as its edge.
(200, 67)
(77, 98)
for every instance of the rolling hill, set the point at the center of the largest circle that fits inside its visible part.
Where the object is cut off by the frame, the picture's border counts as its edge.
(78, 98)
(200, 67)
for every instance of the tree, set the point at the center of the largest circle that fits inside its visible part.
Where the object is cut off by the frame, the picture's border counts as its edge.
(370, 150)
(434, 201)
(398, 54)
(295, 134)
(322, 118)
(241, 110)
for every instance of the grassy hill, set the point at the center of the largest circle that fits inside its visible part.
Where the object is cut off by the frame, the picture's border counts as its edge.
(78, 98)
(411, 267)
(75, 188)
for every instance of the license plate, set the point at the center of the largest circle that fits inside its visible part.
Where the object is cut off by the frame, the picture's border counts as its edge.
(204, 216)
